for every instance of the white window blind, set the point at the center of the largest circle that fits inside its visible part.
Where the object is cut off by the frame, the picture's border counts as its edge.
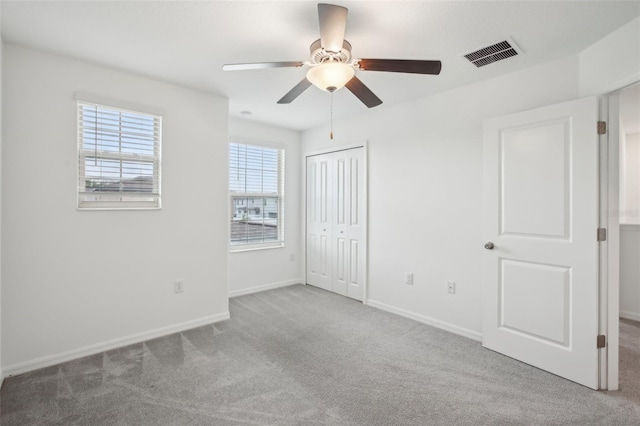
(118, 157)
(256, 185)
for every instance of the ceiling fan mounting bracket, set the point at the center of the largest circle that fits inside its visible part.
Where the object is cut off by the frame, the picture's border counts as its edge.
(320, 55)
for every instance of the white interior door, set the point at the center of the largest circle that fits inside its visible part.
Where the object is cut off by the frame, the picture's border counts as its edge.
(336, 232)
(319, 221)
(341, 222)
(540, 278)
(349, 230)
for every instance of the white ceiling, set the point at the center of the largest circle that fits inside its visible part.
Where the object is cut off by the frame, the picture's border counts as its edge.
(187, 43)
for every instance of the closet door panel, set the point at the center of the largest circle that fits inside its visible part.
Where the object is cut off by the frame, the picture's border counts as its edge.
(319, 262)
(340, 234)
(356, 231)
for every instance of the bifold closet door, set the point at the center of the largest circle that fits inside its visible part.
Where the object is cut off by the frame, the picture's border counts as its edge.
(319, 221)
(336, 235)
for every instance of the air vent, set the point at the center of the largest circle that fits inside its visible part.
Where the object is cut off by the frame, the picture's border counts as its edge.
(494, 53)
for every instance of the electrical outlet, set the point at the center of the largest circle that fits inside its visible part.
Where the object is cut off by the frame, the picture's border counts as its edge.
(451, 287)
(178, 286)
(292, 257)
(409, 278)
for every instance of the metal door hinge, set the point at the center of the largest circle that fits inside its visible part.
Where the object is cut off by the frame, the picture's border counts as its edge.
(602, 127)
(602, 234)
(601, 341)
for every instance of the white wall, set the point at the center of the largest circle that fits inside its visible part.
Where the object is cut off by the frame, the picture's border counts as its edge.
(76, 282)
(606, 66)
(425, 189)
(611, 63)
(1, 109)
(630, 167)
(263, 269)
(630, 272)
(622, 164)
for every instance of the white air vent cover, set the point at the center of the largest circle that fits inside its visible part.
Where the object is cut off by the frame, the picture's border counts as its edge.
(494, 53)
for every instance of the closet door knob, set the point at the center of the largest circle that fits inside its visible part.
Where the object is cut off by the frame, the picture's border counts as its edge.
(489, 246)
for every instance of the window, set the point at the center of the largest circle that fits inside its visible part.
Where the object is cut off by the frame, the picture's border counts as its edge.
(256, 185)
(118, 158)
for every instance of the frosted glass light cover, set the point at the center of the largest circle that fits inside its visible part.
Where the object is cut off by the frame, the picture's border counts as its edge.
(330, 76)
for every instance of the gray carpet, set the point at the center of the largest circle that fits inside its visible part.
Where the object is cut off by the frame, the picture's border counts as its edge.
(303, 356)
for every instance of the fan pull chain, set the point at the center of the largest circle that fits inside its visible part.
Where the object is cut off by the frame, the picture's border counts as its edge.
(331, 134)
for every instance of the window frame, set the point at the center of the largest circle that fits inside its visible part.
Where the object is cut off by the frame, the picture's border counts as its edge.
(280, 196)
(152, 201)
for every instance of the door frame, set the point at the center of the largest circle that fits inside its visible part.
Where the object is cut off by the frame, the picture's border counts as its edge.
(610, 249)
(364, 146)
(609, 284)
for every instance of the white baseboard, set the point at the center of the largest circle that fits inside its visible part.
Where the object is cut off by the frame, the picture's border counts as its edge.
(264, 287)
(461, 331)
(635, 316)
(46, 361)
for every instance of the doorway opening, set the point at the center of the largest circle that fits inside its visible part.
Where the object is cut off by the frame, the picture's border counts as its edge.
(627, 103)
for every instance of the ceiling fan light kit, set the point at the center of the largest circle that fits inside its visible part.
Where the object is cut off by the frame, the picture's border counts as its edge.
(330, 76)
(331, 64)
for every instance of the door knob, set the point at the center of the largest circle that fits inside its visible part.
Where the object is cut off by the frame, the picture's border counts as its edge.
(489, 246)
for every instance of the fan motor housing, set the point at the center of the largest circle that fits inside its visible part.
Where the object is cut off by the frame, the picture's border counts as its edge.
(319, 55)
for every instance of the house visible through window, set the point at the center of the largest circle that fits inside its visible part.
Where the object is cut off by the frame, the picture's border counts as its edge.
(256, 183)
(118, 158)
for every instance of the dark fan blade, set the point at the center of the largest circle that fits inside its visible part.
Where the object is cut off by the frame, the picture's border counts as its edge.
(260, 65)
(401, 65)
(295, 92)
(333, 21)
(363, 93)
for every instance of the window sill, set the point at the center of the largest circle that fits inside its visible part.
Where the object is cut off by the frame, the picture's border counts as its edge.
(240, 249)
(130, 208)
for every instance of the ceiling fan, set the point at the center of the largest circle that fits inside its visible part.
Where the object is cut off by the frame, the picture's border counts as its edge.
(331, 64)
